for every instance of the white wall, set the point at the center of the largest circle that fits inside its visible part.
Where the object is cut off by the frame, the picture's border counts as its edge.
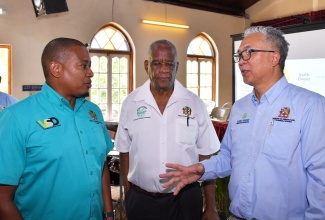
(28, 35)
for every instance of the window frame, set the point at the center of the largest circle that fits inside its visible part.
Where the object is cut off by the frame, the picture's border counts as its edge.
(9, 70)
(214, 63)
(110, 53)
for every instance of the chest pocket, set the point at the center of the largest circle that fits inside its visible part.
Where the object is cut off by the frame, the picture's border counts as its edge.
(278, 140)
(186, 131)
(98, 143)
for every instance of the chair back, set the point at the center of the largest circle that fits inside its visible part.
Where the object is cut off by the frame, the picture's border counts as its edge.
(220, 113)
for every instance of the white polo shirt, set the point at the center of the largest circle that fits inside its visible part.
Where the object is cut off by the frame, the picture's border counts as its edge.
(178, 136)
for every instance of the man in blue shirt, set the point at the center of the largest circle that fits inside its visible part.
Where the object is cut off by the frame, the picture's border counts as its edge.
(54, 144)
(274, 146)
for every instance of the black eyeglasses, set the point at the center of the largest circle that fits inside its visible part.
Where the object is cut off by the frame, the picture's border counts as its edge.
(246, 54)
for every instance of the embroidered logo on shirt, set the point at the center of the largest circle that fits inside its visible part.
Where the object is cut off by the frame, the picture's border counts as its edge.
(284, 115)
(187, 111)
(49, 123)
(284, 112)
(243, 120)
(141, 111)
(93, 115)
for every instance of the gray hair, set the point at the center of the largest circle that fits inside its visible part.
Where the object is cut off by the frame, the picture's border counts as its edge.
(275, 37)
(166, 42)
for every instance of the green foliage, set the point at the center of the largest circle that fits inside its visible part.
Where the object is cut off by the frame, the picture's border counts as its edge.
(222, 195)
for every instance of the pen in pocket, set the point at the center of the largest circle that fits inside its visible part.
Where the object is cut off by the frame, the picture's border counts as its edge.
(271, 125)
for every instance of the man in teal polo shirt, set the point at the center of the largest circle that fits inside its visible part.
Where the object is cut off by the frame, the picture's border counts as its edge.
(53, 144)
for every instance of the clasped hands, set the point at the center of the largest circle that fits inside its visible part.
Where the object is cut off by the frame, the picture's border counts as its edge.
(182, 175)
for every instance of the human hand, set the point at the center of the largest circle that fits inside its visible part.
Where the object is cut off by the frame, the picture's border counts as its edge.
(182, 175)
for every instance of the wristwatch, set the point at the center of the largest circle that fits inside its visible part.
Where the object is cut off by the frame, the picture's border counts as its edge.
(108, 214)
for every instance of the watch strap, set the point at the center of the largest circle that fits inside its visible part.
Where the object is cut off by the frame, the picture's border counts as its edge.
(108, 214)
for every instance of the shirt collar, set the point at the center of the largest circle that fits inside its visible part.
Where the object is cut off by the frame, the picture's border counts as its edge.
(146, 95)
(272, 93)
(58, 100)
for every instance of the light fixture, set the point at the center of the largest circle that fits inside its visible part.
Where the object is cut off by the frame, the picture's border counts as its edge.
(165, 24)
(2, 11)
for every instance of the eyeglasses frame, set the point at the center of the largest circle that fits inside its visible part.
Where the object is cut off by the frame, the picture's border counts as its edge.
(248, 51)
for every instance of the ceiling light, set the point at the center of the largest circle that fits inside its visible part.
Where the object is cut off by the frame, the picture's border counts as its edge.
(165, 24)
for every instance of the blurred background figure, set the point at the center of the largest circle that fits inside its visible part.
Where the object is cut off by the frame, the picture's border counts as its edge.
(6, 99)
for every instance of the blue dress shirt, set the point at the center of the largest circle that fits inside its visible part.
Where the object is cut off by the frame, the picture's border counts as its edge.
(274, 151)
(6, 100)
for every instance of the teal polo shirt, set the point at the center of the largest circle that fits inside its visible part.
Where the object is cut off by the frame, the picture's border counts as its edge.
(55, 155)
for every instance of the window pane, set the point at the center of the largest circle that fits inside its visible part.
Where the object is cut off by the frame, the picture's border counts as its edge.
(200, 46)
(208, 67)
(115, 80)
(123, 80)
(195, 91)
(195, 67)
(195, 80)
(202, 67)
(103, 95)
(123, 65)
(95, 81)
(110, 38)
(206, 93)
(95, 64)
(115, 110)
(123, 95)
(103, 64)
(203, 83)
(115, 65)
(189, 66)
(94, 96)
(115, 96)
(103, 108)
(103, 80)
(206, 48)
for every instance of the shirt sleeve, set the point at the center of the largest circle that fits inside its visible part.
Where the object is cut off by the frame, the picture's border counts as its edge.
(313, 154)
(219, 166)
(12, 152)
(208, 141)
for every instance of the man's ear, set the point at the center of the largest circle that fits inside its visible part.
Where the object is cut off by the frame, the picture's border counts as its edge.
(276, 58)
(146, 65)
(55, 69)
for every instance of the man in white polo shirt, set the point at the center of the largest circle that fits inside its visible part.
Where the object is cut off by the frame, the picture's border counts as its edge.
(161, 122)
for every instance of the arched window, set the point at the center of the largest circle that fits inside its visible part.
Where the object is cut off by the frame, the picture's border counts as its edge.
(201, 68)
(111, 62)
